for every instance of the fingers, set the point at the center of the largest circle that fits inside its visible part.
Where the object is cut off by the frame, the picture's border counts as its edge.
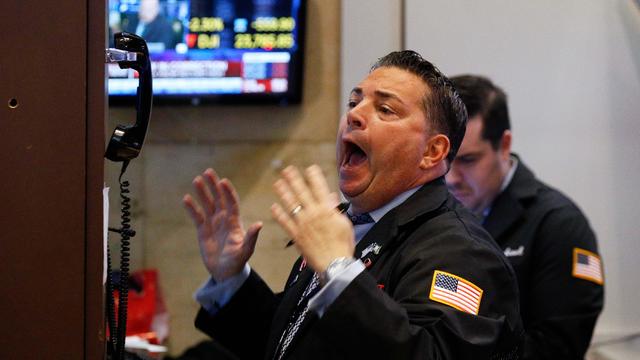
(251, 237)
(294, 190)
(213, 184)
(285, 221)
(287, 197)
(195, 212)
(298, 186)
(230, 197)
(204, 196)
(318, 185)
(294, 195)
(214, 194)
(312, 194)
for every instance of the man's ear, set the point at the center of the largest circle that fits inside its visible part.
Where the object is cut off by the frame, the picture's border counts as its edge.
(435, 152)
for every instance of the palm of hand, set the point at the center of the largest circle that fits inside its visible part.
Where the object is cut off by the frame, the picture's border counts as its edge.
(222, 245)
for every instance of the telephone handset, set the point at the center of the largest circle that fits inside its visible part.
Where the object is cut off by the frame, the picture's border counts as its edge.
(130, 52)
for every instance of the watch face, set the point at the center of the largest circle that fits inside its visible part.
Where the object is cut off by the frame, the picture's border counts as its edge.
(336, 267)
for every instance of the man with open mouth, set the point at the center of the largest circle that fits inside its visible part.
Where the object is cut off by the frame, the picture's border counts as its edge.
(407, 274)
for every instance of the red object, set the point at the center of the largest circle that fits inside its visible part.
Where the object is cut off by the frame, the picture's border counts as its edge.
(147, 315)
(234, 69)
(191, 40)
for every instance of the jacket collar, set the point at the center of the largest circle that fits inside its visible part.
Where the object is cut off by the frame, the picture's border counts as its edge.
(427, 199)
(508, 207)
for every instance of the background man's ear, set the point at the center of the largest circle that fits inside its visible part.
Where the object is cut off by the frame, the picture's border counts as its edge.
(505, 145)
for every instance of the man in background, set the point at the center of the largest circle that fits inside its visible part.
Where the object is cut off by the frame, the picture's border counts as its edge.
(545, 236)
(407, 274)
(151, 25)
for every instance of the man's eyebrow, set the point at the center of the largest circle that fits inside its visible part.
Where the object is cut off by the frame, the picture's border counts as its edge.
(379, 93)
(469, 154)
(388, 95)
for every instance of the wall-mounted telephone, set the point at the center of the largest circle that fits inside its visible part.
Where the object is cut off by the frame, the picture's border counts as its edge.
(130, 52)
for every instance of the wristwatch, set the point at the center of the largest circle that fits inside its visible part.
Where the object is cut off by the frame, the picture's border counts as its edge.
(335, 267)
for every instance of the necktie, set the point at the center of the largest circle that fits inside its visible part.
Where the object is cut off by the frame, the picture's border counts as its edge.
(361, 219)
(298, 317)
(302, 308)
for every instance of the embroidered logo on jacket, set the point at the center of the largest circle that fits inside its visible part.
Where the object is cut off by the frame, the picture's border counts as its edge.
(587, 266)
(372, 248)
(456, 292)
(509, 252)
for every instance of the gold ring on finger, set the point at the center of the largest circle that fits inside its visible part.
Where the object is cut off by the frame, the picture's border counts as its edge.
(296, 210)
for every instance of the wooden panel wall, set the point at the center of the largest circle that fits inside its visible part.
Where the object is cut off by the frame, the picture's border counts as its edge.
(50, 180)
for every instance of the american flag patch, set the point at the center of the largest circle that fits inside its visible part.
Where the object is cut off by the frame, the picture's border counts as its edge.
(587, 265)
(456, 292)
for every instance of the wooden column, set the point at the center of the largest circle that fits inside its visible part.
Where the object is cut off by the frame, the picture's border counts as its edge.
(52, 112)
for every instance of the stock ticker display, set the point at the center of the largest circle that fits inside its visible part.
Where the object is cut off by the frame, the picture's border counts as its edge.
(212, 47)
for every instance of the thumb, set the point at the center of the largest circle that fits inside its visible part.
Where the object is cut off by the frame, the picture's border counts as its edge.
(251, 237)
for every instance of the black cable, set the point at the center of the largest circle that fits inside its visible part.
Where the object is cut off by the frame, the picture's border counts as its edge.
(118, 324)
(111, 313)
(123, 288)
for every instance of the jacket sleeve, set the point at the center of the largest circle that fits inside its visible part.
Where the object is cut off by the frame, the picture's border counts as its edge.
(242, 326)
(563, 308)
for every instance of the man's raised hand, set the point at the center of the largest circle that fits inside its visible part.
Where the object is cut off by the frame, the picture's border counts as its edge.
(225, 246)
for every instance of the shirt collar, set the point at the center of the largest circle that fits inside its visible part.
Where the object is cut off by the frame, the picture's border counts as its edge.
(378, 213)
(505, 182)
(507, 179)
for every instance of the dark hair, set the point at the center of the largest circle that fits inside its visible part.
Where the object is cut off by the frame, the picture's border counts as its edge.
(484, 98)
(442, 105)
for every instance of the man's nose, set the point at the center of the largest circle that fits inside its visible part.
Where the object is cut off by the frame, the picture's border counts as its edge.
(452, 177)
(356, 118)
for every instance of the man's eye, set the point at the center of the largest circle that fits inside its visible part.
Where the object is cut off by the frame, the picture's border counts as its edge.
(466, 160)
(386, 110)
(351, 104)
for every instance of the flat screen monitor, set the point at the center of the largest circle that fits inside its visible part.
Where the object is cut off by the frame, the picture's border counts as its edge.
(240, 51)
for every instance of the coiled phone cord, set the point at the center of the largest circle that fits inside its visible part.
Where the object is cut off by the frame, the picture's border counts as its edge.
(118, 334)
(111, 314)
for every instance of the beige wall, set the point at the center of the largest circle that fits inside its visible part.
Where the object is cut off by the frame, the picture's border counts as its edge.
(248, 145)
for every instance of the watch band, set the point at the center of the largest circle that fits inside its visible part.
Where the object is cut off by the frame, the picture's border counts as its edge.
(335, 267)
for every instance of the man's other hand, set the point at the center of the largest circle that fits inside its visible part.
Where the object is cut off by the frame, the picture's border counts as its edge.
(224, 244)
(308, 214)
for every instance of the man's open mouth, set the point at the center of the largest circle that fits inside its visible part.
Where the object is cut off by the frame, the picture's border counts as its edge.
(353, 154)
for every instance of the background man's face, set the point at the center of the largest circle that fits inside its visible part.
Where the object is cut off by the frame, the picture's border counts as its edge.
(382, 138)
(148, 10)
(477, 171)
